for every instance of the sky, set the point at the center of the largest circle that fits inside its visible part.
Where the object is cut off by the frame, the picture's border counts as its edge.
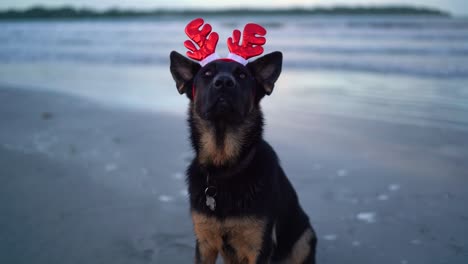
(457, 7)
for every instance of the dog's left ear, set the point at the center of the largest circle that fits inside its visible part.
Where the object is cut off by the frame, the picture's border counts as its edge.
(267, 69)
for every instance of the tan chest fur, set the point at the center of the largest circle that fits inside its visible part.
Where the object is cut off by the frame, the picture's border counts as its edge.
(243, 235)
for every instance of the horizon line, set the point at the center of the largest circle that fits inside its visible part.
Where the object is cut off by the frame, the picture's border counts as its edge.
(44, 11)
(214, 9)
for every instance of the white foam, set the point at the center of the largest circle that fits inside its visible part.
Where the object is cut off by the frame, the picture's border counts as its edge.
(178, 176)
(330, 237)
(394, 187)
(342, 173)
(355, 243)
(415, 241)
(165, 198)
(111, 167)
(382, 197)
(44, 142)
(368, 217)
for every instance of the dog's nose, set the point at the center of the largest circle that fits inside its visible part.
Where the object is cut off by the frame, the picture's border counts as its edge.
(221, 81)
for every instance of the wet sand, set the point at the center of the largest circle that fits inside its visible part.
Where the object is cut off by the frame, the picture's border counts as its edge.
(82, 182)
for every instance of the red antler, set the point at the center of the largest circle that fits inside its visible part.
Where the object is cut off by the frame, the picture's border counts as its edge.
(206, 42)
(252, 39)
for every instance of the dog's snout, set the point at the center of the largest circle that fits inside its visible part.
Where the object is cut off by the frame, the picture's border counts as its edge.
(224, 81)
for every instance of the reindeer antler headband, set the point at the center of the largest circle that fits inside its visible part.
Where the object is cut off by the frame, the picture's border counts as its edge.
(251, 46)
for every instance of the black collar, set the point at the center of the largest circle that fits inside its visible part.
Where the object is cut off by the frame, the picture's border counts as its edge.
(212, 178)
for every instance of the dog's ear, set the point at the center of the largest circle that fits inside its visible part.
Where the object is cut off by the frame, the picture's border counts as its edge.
(183, 71)
(267, 69)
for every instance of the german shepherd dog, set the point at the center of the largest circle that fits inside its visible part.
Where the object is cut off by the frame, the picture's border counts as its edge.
(242, 204)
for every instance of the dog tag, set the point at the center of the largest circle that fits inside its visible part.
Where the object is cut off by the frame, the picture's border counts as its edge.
(210, 193)
(210, 202)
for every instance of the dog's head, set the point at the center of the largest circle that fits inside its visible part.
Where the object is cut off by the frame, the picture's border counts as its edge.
(224, 113)
(225, 90)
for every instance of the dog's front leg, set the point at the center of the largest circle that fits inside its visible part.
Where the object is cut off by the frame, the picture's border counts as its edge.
(207, 230)
(205, 254)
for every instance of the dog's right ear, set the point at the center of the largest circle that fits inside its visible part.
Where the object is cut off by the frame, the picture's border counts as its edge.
(183, 71)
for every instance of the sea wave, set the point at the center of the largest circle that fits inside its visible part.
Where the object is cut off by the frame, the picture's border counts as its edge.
(410, 46)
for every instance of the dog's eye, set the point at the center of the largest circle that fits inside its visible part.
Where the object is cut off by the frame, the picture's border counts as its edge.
(208, 73)
(242, 75)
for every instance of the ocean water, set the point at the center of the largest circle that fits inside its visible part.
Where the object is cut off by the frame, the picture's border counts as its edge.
(411, 70)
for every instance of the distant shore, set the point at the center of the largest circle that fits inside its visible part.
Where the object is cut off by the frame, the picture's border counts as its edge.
(39, 12)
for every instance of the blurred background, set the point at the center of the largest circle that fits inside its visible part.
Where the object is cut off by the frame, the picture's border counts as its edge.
(369, 119)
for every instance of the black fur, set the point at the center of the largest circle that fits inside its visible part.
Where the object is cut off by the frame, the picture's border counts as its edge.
(252, 183)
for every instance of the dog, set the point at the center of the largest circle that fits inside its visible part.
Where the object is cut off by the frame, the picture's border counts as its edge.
(243, 206)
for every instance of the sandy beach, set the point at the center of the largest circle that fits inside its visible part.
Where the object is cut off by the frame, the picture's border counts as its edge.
(83, 182)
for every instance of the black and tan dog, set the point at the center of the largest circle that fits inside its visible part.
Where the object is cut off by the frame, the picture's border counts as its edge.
(242, 204)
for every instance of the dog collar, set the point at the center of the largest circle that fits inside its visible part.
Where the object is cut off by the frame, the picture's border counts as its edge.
(211, 189)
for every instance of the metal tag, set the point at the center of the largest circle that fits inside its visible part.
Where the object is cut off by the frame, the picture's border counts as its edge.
(211, 202)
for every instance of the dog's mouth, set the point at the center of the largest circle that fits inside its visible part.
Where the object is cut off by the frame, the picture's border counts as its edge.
(221, 107)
